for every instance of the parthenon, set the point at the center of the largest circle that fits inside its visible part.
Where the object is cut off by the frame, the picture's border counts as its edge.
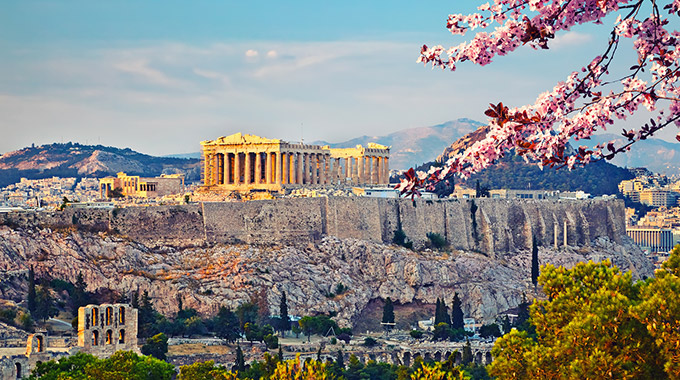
(247, 162)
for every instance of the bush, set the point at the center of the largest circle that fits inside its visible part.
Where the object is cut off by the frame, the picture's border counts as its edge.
(334, 340)
(344, 337)
(271, 341)
(156, 346)
(416, 334)
(401, 239)
(437, 241)
(370, 342)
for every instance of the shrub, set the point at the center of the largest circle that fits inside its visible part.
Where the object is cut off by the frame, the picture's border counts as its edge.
(370, 342)
(437, 241)
(417, 334)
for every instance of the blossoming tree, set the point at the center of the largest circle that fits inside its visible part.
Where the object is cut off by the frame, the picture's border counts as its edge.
(588, 100)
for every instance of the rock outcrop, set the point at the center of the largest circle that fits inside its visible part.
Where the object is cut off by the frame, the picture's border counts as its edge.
(216, 274)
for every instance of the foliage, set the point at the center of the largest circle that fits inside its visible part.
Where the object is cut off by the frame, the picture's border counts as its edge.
(271, 341)
(534, 262)
(246, 312)
(226, 324)
(401, 239)
(457, 313)
(284, 322)
(204, 371)
(492, 330)
(294, 369)
(588, 100)
(437, 372)
(388, 311)
(437, 241)
(597, 323)
(156, 346)
(370, 342)
(120, 366)
(416, 334)
(441, 313)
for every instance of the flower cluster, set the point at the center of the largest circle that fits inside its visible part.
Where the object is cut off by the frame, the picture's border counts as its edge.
(587, 101)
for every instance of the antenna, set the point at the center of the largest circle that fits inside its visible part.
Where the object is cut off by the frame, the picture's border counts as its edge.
(302, 134)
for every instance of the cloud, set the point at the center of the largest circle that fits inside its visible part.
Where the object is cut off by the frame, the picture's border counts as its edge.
(272, 54)
(570, 39)
(250, 53)
(224, 79)
(141, 68)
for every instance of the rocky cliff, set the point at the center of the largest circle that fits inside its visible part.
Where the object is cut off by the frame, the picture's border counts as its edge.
(215, 274)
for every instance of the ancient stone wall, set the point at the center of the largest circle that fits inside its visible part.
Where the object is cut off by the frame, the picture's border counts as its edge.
(489, 226)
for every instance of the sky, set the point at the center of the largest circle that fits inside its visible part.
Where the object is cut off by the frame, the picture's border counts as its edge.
(161, 76)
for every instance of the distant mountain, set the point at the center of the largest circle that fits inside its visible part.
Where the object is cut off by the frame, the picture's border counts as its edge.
(77, 160)
(413, 146)
(657, 155)
(512, 172)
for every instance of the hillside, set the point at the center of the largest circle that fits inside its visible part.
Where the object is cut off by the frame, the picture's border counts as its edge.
(512, 172)
(77, 160)
(413, 146)
(657, 155)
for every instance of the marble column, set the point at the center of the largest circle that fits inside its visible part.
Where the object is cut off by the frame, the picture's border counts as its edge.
(387, 170)
(291, 168)
(268, 169)
(258, 168)
(322, 169)
(278, 168)
(299, 180)
(314, 165)
(360, 170)
(237, 168)
(246, 177)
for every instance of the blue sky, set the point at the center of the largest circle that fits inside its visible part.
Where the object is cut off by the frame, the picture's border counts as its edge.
(161, 76)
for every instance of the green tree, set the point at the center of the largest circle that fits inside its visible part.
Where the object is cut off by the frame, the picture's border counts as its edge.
(534, 262)
(308, 325)
(353, 371)
(467, 353)
(246, 312)
(591, 327)
(388, 312)
(204, 371)
(240, 362)
(226, 325)
(121, 365)
(457, 313)
(45, 303)
(80, 296)
(156, 346)
(284, 323)
(31, 298)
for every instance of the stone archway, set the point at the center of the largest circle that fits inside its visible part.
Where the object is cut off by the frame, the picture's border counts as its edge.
(478, 357)
(488, 358)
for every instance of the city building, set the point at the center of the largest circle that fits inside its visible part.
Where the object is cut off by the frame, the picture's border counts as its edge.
(652, 239)
(136, 186)
(658, 198)
(247, 162)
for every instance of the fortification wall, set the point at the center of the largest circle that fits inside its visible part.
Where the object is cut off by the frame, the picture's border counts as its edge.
(495, 227)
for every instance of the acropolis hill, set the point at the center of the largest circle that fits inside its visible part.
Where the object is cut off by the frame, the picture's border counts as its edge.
(222, 253)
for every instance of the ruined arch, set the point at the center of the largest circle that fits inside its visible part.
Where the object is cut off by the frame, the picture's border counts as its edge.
(95, 316)
(95, 337)
(121, 336)
(109, 316)
(478, 357)
(487, 358)
(121, 315)
(407, 359)
(109, 337)
(17, 366)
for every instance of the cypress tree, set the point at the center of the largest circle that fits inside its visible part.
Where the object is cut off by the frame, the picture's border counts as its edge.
(31, 299)
(388, 311)
(318, 355)
(445, 313)
(467, 353)
(438, 312)
(340, 360)
(283, 314)
(457, 313)
(80, 297)
(280, 353)
(240, 363)
(534, 263)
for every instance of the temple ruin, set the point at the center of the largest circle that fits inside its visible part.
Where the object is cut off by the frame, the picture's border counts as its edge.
(247, 162)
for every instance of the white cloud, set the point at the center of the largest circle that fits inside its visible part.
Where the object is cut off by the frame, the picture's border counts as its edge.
(272, 54)
(141, 68)
(250, 53)
(224, 79)
(570, 39)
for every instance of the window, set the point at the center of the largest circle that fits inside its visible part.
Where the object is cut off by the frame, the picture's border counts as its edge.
(121, 337)
(41, 348)
(18, 366)
(95, 338)
(121, 316)
(109, 316)
(109, 337)
(95, 316)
